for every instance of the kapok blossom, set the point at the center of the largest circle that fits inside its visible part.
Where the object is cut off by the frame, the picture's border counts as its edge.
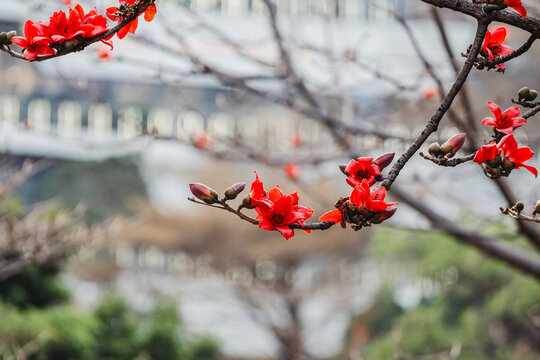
(258, 197)
(42, 38)
(35, 43)
(516, 5)
(504, 122)
(363, 200)
(115, 14)
(282, 212)
(517, 155)
(494, 47)
(487, 152)
(366, 168)
(292, 170)
(201, 140)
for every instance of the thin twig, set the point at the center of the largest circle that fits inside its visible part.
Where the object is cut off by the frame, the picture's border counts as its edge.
(433, 124)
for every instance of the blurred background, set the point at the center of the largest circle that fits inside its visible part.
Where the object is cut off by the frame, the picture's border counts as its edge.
(103, 257)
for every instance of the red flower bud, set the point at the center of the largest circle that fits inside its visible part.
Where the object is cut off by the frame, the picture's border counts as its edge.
(384, 215)
(455, 142)
(232, 192)
(204, 193)
(384, 160)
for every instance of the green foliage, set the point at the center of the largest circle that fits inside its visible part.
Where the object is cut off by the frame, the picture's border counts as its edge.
(117, 338)
(162, 342)
(57, 333)
(205, 348)
(111, 333)
(36, 286)
(481, 304)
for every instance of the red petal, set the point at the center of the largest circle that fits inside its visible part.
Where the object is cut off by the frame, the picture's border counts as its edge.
(494, 109)
(511, 112)
(286, 231)
(517, 122)
(20, 41)
(498, 35)
(150, 13)
(521, 155)
(333, 216)
(531, 169)
(266, 224)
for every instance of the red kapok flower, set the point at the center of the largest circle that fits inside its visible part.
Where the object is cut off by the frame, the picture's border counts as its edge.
(363, 198)
(517, 155)
(103, 54)
(35, 41)
(292, 170)
(486, 153)
(430, 93)
(505, 122)
(494, 47)
(92, 23)
(361, 169)
(283, 212)
(258, 196)
(516, 5)
(64, 28)
(372, 201)
(115, 14)
(201, 140)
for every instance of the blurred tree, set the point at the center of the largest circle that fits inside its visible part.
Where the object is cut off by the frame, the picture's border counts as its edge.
(470, 308)
(118, 337)
(34, 286)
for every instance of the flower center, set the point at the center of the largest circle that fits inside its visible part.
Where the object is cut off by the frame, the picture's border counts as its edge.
(277, 219)
(503, 122)
(363, 173)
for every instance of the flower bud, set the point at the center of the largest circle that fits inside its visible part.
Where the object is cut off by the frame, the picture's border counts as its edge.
(204, 193)
(232, 192)
(446, 149)
(434, 149)
(507, 164)
(384, 215)
(4, 39)
(246, 202)
(519, 206)
(455, 143)
(536, 208)
(10, 35)
(532, 95)
(523, 93)
(384, 160)
(342, 168)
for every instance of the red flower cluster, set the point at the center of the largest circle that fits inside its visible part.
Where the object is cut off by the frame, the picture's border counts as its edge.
(493, 45)
(504, 122)
(364, 201)
(118, 13)
(363, 207)
(276, 210)
(514, 157)
(61, 31)
(365, 168)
